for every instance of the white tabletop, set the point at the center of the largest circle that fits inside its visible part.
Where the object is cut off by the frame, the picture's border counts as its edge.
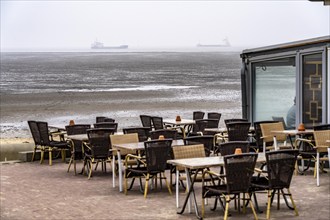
(293, 132)
(182, 122)
(204, 162)
(140, 145)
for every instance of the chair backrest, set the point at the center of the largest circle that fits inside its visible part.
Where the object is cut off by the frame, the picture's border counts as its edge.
(198, 115)
(206, 140)
(280, 167)
(106, 125)
(157, 122)
(266, 131)
(35, 132)
(200, 125)
(238, 131)
(239, 170)
(44, 133)
(228, 148)
(99, 140)
(230, 120)
(322, 127)
(258, 134)
(167, 133)
(100, 119)
(157, 153)
(279, 119)
(123, 139)
(109, 120)
(143, 132)
(146, 121)
(214, 115)
(188, 151)
(321, 138)
(77, 129)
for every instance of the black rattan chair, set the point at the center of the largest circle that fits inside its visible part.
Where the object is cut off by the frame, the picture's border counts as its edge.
(49, 144)
(143, 132)
(239, 170)
(167, 133)
(214, 115)
(238, 131)
(228, 148)
(230, 120)
(198, 115)
(156, 156)
(98, 148)
(207, 140)
(280, 167)
(36, 137)
(146, 121)
(76, 145)
(157, 122)
(106, 125)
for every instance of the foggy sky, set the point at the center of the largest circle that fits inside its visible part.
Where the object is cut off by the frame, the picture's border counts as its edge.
(76, 24)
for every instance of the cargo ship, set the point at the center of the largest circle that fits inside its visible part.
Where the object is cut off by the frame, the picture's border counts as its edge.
(99, 45)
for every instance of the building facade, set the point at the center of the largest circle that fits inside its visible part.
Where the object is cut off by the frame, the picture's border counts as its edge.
(288, 80)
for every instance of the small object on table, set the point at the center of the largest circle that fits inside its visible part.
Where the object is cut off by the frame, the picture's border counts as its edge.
(301, 127)
(178, 118)
(161, 137)
(71, 122)
(238, 151)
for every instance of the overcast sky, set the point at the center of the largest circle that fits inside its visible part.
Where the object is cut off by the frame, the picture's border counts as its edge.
(76, 24)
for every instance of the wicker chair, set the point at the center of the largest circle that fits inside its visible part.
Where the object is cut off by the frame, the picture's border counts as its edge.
(113, 125)
(239, 171)
(258, 134)
(36, 137)
(280, 167)
(207, 140)
(143, 132)
(100, 119)
(157, 122)
(155, 161)
(269, 138)
(279, 119)
(238, 131)
(198, 115)
(167, 133)
(228, 148)
(307, 149)
(98, 148)
(321, 146)
(76, 145)
(49, 144)
(230, 120)
(214, 115)
(146, 121)
(187, 151)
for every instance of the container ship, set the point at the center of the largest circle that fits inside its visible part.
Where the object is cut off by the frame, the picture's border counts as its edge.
(99, 45)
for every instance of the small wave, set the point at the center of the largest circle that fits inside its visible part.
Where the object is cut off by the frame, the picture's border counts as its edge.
(140, 88)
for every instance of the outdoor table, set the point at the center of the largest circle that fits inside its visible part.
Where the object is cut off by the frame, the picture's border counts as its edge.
(138, 146)
(199, 164)
(183, 124)
(291, 133)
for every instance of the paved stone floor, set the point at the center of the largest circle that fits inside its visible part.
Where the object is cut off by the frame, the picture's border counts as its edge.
(34, 191)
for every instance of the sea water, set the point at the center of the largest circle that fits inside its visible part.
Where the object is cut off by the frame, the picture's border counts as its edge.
(196, 75)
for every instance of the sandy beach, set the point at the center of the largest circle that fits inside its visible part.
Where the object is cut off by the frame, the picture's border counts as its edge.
(125, 106)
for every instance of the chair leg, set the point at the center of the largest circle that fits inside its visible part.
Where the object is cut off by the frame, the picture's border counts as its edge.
(293, 204)
(90, 169)
(42, 155)
(227, 207)
(34, 153)
(166, 182)
(70, 162)
(268, 204)
(50, 157)
(252, 207)
(146, 186)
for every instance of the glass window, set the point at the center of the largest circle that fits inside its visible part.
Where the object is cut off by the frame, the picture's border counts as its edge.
(274, 90)
(312, 89)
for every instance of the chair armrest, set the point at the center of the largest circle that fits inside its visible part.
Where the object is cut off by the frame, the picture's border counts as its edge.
(138, 158)
(303, 140)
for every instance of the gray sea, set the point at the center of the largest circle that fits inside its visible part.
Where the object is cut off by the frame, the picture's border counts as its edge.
(210, 76)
